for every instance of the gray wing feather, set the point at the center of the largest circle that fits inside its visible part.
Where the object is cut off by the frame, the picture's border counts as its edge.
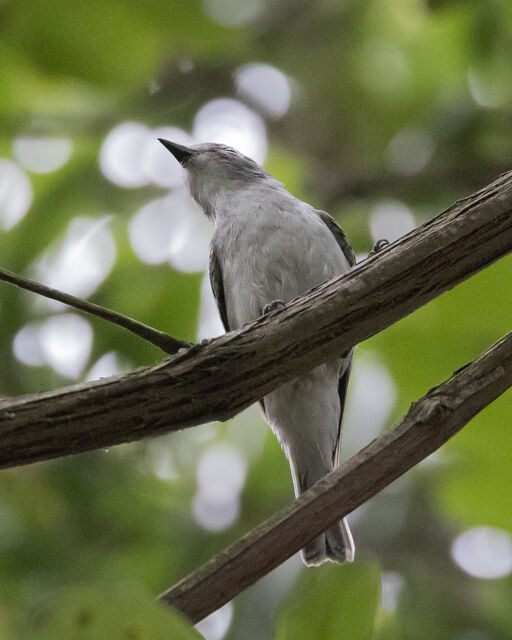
(342, 392)
(215, 271)
(348, 252)
(339, 236)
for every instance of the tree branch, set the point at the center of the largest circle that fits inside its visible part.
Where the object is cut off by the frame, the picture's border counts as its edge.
(210, 381)
(160, 339)
(429, 423)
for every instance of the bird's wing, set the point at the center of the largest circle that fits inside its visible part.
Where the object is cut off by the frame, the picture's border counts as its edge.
(342, 392)
(215, 271)
(339, 236)
(217, 285)
(348, 252)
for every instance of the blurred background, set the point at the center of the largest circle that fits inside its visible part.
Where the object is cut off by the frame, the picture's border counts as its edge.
(382, 112)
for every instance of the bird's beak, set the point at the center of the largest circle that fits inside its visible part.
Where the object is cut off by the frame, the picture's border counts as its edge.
(181, 153)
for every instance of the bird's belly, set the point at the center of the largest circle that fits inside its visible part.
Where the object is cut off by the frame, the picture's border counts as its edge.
(305, 413)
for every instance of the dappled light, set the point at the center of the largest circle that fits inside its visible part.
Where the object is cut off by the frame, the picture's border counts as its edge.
(487, 92)
(171, 229)
(66, 342)
(210, 323)
(392, 585)
(384, 68)
(107, 365)
(484, 552)
(215, 626)
(265, 86)
(15, 194)
(160, 166)
(233, 13)
(383, 114)
(409, 151)
(27, 345)
(63, 342)
(230, 122)
(81, 261)
(221, 473)
(121, 160)
(372, 398)
(42, 155)
(150, 230)
(390, 220)
(161, 459)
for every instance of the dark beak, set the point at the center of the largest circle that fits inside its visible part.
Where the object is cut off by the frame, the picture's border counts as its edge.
(181, 153)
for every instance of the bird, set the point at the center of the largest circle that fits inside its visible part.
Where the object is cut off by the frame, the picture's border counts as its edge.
(268, 248)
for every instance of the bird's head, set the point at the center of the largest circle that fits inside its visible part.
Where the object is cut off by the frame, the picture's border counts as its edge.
(212, 169)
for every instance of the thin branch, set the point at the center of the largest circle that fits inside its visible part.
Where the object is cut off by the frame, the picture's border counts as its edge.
(429, 423)
(217, 379)
(160, 339)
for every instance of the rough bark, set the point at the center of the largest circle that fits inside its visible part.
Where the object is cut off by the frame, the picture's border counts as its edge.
(217, 379)
(429, 423)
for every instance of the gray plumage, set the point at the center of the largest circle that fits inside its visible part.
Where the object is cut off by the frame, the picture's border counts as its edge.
(268, 246)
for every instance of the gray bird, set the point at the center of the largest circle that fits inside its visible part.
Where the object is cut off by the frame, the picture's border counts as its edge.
(268, 248)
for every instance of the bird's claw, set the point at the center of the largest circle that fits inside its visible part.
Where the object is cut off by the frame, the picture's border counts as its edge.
(378, 246)
(273, 306)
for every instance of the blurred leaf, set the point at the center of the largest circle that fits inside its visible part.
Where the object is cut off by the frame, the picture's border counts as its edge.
(360, 73)
(89, 613)
(330, 602)
(475, 489)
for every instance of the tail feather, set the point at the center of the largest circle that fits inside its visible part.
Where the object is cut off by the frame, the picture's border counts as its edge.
(334, 545)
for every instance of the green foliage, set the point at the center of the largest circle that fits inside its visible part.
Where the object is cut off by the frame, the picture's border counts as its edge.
(328, 601)
(112, 614)
(362, 74)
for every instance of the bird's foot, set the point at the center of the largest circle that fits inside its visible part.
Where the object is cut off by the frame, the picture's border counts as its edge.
(273, 306)
(378, 246)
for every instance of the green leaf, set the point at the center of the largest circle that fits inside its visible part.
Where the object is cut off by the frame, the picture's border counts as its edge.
(88, 613)
(331, 602)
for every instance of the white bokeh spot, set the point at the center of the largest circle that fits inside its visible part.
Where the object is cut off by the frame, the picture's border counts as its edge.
(15, 194)
(66, 343)
(409, 151)
(106, 366)
(230, 122)
(392, 584)
(221, 473)
(160, 166)
(122, 158)
(42, 154)
(390, 220)
(486, 91)
(233, 13)
(264, 86)
(216, 625)
(172, 229)
(81, 261)
(210, 324)
(27, 346)
(484, 552)
(372, 396)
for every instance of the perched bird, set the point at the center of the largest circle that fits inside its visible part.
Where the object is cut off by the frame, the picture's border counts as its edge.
(268, 247)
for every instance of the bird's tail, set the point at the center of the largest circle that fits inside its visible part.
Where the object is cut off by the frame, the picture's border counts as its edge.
(336, 543)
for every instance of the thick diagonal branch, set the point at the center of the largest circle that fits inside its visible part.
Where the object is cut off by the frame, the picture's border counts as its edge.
(217, 379)
(430, 422)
